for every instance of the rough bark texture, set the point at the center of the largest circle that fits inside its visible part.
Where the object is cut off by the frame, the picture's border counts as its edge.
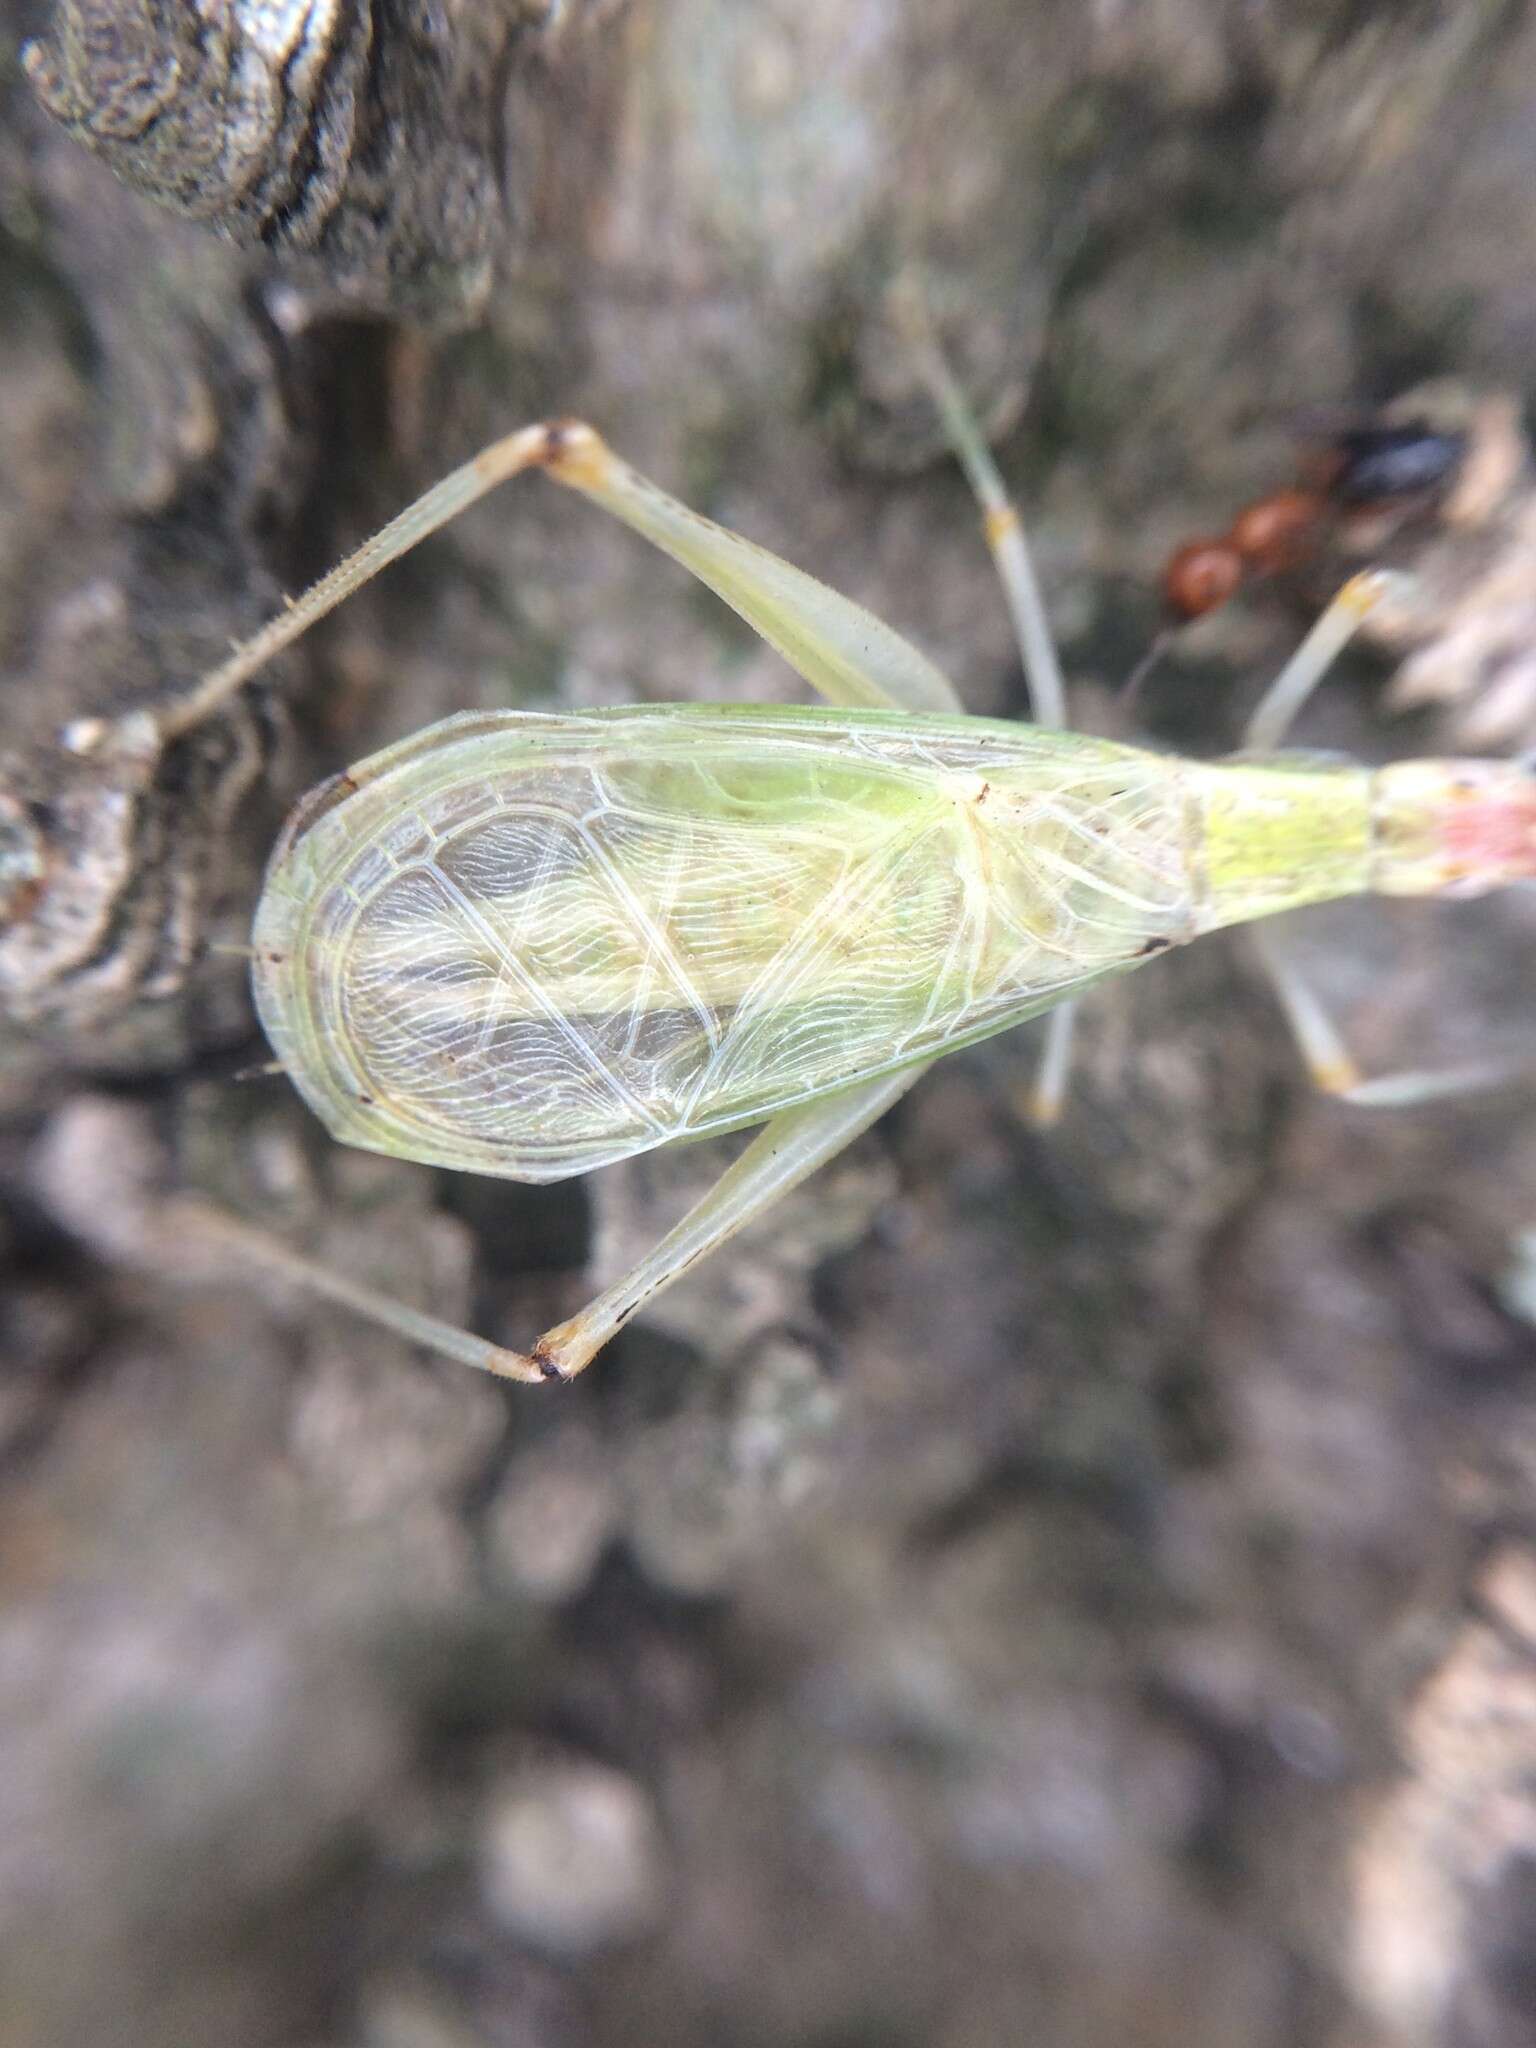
(1059, 1589)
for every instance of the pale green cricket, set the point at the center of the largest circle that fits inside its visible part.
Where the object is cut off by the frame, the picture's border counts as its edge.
(531, 944)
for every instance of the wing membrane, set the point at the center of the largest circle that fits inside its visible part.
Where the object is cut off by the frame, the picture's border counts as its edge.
(568, 939)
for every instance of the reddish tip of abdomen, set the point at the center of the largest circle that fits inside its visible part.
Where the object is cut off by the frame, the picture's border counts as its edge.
(1491, 832)
(1453, 827)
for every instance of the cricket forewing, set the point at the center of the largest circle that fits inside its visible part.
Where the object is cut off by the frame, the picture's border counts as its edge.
(549, 944)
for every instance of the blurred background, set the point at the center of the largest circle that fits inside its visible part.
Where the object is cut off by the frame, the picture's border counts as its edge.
(1056, 1588)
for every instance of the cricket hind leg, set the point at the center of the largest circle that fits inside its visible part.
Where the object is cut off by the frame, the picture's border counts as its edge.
(453, 494)
(784, 1152)
(843, 651)
(197, 1219)
(1003, 529)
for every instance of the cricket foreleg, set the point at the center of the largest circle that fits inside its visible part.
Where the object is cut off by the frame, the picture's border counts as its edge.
(1331, 1064)
(782, 1154)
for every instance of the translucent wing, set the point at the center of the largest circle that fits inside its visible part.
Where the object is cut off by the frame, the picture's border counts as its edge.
(529, 945)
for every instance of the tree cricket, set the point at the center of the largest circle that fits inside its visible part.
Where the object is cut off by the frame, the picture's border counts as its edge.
(530, 944)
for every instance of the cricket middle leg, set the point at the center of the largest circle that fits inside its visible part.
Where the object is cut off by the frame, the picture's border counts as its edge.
(1003, 530)
(784, 1152)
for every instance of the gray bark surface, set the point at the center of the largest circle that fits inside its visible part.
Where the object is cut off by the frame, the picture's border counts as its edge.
(1063, 1589)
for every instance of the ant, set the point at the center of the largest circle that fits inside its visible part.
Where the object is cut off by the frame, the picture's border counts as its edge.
(1390, 469)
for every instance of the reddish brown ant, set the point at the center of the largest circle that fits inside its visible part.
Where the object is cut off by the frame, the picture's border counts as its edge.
(1358, 485)
(1386, 467)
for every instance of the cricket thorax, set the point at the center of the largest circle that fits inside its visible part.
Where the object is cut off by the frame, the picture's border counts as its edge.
(1081, 859)
(618, 930)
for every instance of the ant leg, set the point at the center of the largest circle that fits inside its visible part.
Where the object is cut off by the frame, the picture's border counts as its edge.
(785, 1152)
(1276, 710)
(1004, 531)
(1329, 1061)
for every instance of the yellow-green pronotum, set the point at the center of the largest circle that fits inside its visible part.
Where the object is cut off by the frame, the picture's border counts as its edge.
(529, 943)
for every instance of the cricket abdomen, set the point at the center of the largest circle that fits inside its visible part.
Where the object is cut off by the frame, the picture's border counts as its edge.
(1283, 833)
(533, 944)
(1277, 834)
